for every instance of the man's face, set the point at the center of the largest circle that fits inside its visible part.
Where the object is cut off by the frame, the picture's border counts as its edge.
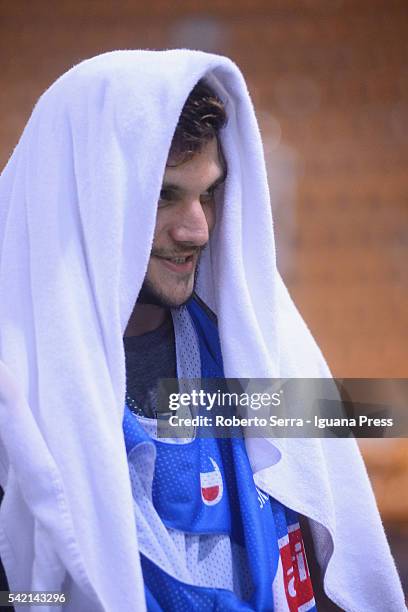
(185, 218)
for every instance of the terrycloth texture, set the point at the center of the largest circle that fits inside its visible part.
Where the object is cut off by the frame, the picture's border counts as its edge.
(77, 214)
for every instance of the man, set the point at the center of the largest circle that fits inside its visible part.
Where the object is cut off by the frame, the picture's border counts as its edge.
(95, 245)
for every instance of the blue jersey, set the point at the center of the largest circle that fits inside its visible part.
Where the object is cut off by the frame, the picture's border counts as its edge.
(206, 486)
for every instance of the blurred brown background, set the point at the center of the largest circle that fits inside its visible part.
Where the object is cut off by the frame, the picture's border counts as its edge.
(329, 79)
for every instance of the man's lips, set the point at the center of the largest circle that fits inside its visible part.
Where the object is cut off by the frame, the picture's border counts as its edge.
(181, 264)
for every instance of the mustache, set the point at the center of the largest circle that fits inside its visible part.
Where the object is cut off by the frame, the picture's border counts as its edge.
(178, 253)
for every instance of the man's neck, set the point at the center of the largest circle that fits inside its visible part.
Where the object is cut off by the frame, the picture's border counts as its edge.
(145, 318)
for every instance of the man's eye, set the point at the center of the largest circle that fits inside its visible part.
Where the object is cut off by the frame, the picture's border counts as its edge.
(208, 196)
(166, 195)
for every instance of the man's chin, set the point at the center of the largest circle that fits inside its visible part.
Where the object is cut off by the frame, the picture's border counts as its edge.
(150, 295)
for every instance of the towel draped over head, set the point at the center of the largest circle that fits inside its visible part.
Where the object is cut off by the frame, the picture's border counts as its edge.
(78, 203)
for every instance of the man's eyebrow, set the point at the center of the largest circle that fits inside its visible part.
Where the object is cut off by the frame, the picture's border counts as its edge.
(214, 185)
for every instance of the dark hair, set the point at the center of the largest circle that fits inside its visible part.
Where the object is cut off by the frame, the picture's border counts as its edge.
(202, 117)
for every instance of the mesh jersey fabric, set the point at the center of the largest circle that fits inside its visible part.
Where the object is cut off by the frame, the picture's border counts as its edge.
(205, 559)
(162, 542)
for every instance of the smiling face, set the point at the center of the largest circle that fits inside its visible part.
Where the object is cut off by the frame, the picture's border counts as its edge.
(185, 218)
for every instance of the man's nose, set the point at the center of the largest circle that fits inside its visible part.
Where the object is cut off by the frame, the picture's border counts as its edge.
(191, 224)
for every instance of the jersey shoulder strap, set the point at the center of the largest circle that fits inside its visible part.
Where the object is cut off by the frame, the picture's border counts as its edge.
(211, 315)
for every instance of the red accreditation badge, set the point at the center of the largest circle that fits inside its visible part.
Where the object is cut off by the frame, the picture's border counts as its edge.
(296, 576)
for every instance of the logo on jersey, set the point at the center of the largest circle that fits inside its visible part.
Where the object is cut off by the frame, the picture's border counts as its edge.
(262, 497)
(212, 486)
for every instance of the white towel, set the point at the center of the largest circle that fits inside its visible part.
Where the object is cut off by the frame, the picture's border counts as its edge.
(77, 214)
